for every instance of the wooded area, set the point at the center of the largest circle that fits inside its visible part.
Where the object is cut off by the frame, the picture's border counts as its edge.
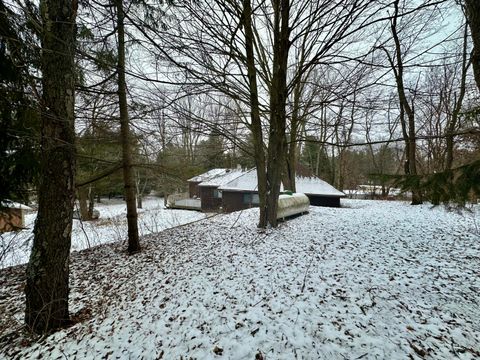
(122, 98)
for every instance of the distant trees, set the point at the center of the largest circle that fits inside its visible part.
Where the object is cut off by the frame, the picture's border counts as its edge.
(47, 287)
(220, 83)
(406, 103)
(222, 49)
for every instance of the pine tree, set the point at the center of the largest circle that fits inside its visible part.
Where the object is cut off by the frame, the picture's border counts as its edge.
(48, 268)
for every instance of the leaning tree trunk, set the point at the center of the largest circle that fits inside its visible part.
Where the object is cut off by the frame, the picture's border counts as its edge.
(47, 289)
(128, 178)
(256, 127)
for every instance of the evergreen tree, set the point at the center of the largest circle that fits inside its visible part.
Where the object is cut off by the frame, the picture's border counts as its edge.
(19, 117)
(47, 287)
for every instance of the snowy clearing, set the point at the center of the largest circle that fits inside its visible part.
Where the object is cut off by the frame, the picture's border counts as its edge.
(112, 226)
(379, 280)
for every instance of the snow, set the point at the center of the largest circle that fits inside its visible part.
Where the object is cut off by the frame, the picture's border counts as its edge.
(246, 182)
(306, 185)
(210, 174)
(112, 226)
(14, 205)
(369, 280)
(316, 186)
(223, 179)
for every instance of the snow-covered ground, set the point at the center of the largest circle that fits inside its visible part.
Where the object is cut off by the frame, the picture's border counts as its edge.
(372, 280)
(112, 226)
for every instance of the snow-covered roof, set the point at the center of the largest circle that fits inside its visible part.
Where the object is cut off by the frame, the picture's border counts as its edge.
(306, 185)
(210, 174)
(14, 205)
(315, 186)
(246, 182)
(229, 175)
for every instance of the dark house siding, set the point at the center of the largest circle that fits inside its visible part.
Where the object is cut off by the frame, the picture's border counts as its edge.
(234, 200)
(193, 189)
(208, 199)
(319, 200)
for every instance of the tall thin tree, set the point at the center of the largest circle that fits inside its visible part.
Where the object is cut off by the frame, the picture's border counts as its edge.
(48, 268)
(128, 178)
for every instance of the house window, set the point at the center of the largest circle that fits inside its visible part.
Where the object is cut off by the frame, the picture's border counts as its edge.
(251, 199)
(217, 194)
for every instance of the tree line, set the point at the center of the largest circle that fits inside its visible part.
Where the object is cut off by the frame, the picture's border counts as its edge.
(261, 83)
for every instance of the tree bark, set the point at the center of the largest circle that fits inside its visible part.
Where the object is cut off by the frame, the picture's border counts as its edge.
(128, 178)
(47, 288)
(82, 201)
(256, 126)
(91, 201)
(291, 156)
(278, 98)
(472, 8)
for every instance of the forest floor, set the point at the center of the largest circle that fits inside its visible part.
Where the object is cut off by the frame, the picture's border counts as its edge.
(372, 280)
(110, 227)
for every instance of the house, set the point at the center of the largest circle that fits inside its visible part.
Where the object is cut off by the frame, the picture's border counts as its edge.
(230, 190)
(12, 216)
(193, 189)
(209, 193)
(319, 192)
(242, 192)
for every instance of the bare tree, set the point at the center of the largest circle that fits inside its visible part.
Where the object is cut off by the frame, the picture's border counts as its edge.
(128, 176)
(407, 109)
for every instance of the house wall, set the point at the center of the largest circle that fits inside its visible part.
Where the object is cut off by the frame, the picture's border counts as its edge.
(329, 201)
(233, 201)
(11, 219)
(209, 202)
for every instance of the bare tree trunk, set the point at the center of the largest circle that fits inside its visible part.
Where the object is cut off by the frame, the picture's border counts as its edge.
(139, 191)
(291, 156)
(472, 8)
(91, 201)
(47, 288)
(256, 126)
(82, 201)
(410, 134)
(278, 98)
(129, 182)
(452, 124)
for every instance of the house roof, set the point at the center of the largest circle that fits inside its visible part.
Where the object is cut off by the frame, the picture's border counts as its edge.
(246, 182)
(311, 185)
(210, 174)
(14, 205)
(229, 175)
(316, 186)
